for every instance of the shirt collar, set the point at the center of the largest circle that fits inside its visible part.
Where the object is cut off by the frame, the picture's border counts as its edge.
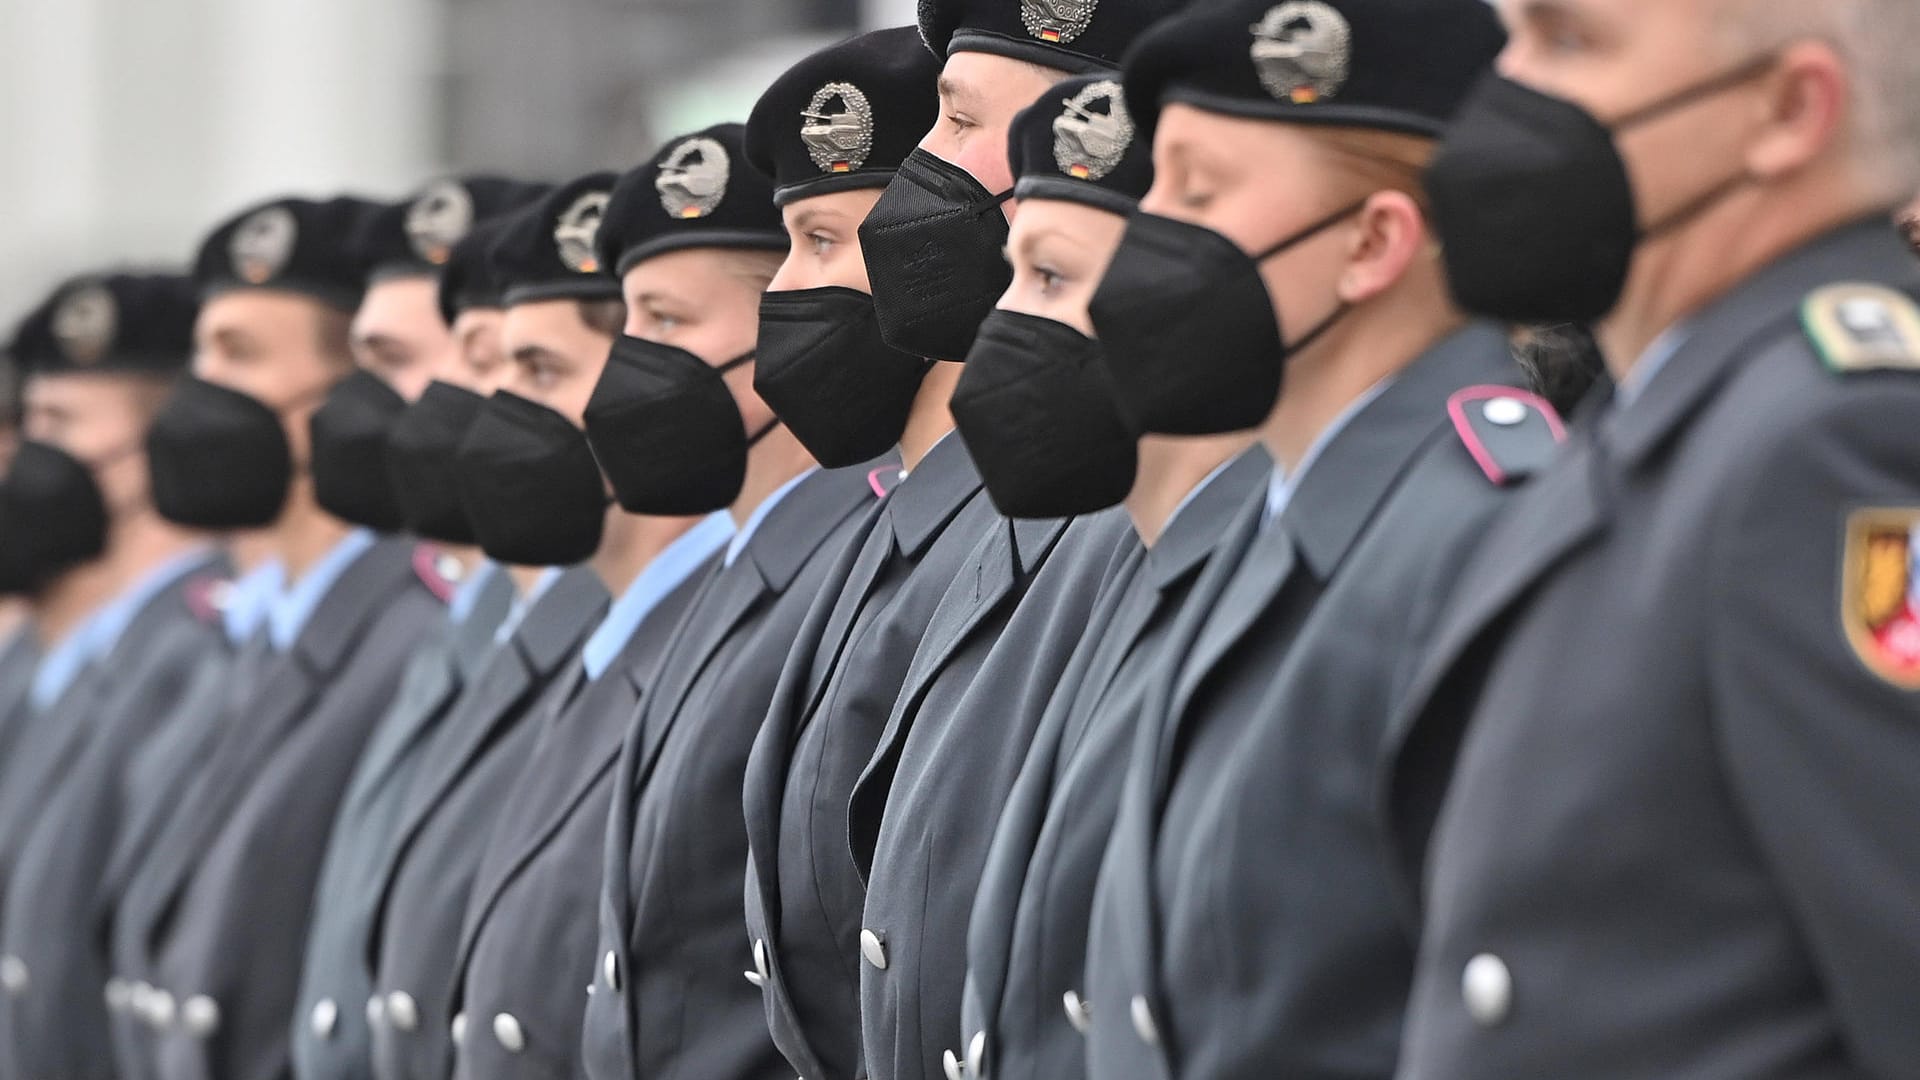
(466, 595)
(665, 573)
(110, 624)
(1281, 488)
(739, 542)
(62, 664)
(523, 604)
(1658, 355)
(295, 605)
(248, 597)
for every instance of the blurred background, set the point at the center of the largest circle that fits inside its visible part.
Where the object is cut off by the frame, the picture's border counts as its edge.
(127, 127)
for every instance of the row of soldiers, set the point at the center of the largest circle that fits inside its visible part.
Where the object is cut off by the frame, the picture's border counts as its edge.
(1081, 540)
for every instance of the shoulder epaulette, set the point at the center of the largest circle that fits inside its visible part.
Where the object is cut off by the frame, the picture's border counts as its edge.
(207, 597)
(1861, 327)
(438, 571)
(1511, 434)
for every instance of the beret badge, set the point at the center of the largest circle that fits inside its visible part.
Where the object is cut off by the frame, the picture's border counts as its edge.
(838, 141)
(438, 219)
(1057, 22)
(693, 178)
(1302, 51)
(575, 229)
(84, 324)
(263, 243)
(1089, 140)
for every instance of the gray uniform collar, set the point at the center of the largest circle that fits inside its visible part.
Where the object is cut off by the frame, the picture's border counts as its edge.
(1195, 530)
(808, 514)
(1756, 311)
(932, 494)
(552, 628)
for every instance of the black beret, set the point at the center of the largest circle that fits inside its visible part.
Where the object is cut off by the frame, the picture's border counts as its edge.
(845, 117)
(288, 245)
(1078, 143)
(1393, 65)
(547, 251)
(415, 236)
(1077, 36)
(695, 192)
(468, 280)
(121, 323)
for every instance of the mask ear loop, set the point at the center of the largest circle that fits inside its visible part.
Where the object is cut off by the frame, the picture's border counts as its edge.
(742, 360)
(993, 203)
(110, 459)
(1342, 308)
(1673, 103)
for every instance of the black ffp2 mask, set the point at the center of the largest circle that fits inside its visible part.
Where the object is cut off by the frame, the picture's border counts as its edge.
(530, 484)
(219, 458)
(350, 434)
(1533, 204)
(1188, 329)
(825, 370)
(934, 247)
(1038, 415)
(423, 462)
(667, 431)
(52, 518)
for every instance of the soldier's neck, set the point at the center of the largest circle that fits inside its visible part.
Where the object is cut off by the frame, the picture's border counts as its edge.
(1170, 468)
(66, 601)
(930, 419)
(305, 533)
(1325, 380)
(774, 460)
(631, 542)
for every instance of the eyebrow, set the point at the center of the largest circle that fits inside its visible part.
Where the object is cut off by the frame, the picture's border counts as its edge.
(533, 354)
(817, 215)
(956, 91)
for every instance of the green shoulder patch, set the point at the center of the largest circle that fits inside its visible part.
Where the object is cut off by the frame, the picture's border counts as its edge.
(1859, 327)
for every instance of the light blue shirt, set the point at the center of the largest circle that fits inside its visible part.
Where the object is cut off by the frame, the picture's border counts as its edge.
(1281, 488)
(1658, 355)
(739, 542)
(466, 596)
(248, 598)
(295, 604)
(523, 604)
(107, 627)
(61, 665)
(666, 572)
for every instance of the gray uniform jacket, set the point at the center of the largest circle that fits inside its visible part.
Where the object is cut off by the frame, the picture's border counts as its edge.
(55, 1022)
(671, 999)
(526, 954)
(1679, 708)
(850, 658)
(330, 1036)
(922, 815)
(1027, 938)
(19, 659)
(1244, 922)
(421, 891)
(224, 899)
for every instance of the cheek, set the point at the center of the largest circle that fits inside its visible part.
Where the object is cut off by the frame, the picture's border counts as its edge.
(985, 157)
(847, 268)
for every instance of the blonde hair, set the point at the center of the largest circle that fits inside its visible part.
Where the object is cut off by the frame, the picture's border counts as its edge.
(1379, 160)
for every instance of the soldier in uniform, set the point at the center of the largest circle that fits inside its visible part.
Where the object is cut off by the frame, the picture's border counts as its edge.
(99, 356)
(400, 341)
(519, 945)
(1081, 166)
(998, 641)
(1676, 692)
(1244, 922)
(829, 372)
(215, 921)
(678, 424)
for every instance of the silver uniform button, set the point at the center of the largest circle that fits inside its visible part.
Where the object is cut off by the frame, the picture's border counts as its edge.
(610, 970)
(874, 948)
(977, 1055)
(511, 1036)
(118, 994)
(13, 975)
(200, 1016)
(324, 1018)
(1079, 1013)
(1504, 411)
(756, 978)
(403, 1011)
(160, 1010)
(952, 1065)
(1487, 987)
(760, 961)
(140, 999)
(1143, 1022)
(376, 1010)
(459, 1028)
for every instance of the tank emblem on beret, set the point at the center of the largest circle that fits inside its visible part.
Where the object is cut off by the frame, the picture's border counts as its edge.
(85, 322)
(1302, 51)
(438, 219)
(263, 243)
(574, 232)
(838, 141)
(1088, 140)
(693, 178)
(1057, 21)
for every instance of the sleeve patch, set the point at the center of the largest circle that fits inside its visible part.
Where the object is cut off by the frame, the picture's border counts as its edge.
(1858, 327)
(1510, 433)
(1880, 598)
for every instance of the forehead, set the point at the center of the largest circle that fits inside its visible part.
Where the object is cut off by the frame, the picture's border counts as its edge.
(260, 312)
(977, 78)
(835, 205)
(1185, 128)
(411, 298)
(1060, 216)
(687, 272)
(553, 325)
(78, 392)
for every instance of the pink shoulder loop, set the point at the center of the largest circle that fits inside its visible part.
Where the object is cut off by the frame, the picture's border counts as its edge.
(883, 479)
(429, 564)
(207, 596)
(1510, 432)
